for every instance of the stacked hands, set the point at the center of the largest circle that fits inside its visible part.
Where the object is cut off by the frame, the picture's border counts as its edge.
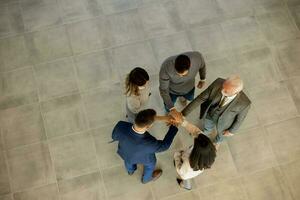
(176, 118)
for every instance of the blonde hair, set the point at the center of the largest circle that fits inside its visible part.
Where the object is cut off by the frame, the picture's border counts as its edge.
(131, 88)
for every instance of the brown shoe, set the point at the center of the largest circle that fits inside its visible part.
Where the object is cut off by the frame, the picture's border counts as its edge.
(156, 174)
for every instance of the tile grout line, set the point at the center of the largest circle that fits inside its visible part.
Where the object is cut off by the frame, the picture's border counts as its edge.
(46, 132)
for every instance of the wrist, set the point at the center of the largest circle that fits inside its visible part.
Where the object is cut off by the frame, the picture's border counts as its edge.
(184, 123)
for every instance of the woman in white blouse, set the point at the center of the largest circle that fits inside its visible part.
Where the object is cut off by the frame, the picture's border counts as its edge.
(192, 161)
(137, 92)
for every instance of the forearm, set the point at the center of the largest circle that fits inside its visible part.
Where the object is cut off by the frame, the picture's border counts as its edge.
(193, 130)
(162, 118)
(166, 98)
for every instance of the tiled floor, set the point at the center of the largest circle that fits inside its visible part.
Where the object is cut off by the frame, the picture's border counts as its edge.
(62, 69)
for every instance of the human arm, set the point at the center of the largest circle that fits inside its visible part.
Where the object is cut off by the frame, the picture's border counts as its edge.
(162, 145)
(164, 81)
(202, 72)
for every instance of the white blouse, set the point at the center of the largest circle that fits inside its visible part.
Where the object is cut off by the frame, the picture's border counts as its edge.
(182, 164)
(137, 103)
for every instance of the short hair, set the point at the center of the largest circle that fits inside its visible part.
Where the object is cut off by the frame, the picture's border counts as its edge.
(145, 118)
(203, 154)
(235, 81)
(182, 63)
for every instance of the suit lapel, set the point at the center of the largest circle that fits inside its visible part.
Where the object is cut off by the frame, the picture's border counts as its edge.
(232, 103)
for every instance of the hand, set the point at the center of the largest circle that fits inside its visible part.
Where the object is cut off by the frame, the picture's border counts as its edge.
(227, 133)
(200, 84)
(171, 121)
(176, 115)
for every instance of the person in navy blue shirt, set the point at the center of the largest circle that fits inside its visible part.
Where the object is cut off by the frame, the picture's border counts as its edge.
(137, 146)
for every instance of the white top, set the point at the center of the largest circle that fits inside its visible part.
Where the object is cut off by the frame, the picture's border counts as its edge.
(182, 164)
(228, 99)
(137, 103)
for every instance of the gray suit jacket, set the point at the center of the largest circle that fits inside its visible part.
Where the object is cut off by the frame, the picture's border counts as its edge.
(234, 114)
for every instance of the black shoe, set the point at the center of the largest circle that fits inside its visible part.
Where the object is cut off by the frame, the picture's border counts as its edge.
(130, 173)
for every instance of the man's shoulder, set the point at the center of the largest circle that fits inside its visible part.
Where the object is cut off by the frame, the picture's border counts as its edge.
(123, 124)
(244, 99)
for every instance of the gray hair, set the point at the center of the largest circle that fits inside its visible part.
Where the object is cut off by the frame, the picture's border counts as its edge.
(236, 82)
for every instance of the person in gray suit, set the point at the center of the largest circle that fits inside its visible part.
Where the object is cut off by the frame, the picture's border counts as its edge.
(223, 105)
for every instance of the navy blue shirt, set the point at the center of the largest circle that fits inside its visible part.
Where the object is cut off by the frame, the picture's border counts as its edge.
(140, 148)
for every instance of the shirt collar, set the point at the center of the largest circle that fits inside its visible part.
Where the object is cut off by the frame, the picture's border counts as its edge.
(138, 132)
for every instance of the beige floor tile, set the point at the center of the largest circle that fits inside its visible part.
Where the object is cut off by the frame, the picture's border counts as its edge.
(30, 166)
(257, 68)
(243, 34)
(291, 172)
(56, 79)
(102, 114)
(251, 151)
(48, 192)
(88, 187)
(96, 35)
(63, 116)
(48, 44)
(95, 70)
(21, 126)
(125, 58)
(6, 197)
(74, 10)
(157, 21)
(18, 87)
(9, 48)
(171, 45)
(187, 196)
(4, 179)
(198, 12)
(284, 141)
(40, 15)
(210, 41)
(120, 185)
(272, 102)
(287, 56)
(267, 184)
(116, 6)
(227, 190)
(11, 21)
(106, 152)
(73, 155)
(277, 26)
(293, 85)
(126, 27)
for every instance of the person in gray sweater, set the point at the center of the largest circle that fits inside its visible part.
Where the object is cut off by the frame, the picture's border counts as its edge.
(177, 79)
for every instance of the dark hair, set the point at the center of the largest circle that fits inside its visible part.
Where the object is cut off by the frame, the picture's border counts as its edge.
(203, 154)
(137, 77)
(182, 63)
(145, 117)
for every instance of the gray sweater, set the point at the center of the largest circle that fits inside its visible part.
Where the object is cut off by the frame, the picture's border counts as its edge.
(171, 82)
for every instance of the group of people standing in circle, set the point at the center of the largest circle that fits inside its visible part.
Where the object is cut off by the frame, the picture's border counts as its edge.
(223, 106)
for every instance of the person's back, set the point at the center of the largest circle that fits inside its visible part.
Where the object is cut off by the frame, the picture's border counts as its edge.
(137, 146)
